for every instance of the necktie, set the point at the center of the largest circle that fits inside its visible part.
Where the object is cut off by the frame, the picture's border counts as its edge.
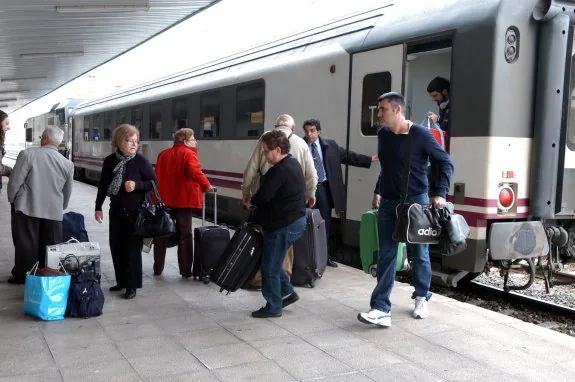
(317, 163)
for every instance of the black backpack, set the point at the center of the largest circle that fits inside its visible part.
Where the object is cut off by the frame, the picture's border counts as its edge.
(86, 298)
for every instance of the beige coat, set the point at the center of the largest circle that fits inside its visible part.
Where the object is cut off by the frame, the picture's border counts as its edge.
(257, 165)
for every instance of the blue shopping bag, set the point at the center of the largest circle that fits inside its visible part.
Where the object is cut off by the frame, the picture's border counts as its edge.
(46, 296)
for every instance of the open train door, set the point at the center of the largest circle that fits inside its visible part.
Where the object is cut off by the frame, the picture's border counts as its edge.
(373, 73)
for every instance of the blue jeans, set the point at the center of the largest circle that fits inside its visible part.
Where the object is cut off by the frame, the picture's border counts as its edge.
(388, 253)
(275, 282)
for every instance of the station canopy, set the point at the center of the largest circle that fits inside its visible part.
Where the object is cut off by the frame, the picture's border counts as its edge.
(45, 44)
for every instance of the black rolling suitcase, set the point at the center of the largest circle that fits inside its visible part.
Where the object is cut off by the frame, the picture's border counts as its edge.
(310, 251)
(209, 244)
(241, 258)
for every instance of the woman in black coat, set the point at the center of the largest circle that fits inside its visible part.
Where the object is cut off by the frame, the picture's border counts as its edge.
(126, 178)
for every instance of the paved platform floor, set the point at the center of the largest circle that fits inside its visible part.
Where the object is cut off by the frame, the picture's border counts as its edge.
(184, 330)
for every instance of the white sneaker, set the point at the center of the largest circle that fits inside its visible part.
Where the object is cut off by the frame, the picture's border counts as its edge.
(420, 310)
(375, 317)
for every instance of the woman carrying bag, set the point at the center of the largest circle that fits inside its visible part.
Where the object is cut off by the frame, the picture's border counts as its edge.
(126, 178)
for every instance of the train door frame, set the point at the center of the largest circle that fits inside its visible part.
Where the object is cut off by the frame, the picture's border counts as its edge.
(385, 64)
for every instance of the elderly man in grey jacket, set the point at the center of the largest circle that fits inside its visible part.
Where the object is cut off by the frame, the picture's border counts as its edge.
(39, 190)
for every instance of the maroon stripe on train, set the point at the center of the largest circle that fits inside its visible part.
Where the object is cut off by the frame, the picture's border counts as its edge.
(223, 173)
(478, 202)
(225, 183)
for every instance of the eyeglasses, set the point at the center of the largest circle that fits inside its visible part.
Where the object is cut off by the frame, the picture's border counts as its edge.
(132, 141)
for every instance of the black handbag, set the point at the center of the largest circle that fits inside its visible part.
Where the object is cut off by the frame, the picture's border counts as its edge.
(154, 220)
(416, 223)
(455, 231)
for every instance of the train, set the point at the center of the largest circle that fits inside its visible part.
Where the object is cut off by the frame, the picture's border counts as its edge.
(512, 125)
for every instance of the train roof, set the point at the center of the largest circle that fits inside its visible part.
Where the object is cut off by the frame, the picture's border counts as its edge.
(388, 24)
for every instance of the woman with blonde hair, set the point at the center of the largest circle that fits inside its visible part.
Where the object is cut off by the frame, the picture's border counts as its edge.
(126, 177)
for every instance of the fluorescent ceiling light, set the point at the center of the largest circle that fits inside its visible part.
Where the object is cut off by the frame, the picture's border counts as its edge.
(14, 79)
(51, 54)
(101, 8)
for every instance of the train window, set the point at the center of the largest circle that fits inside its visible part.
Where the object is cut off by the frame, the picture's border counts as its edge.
(87, 127)
(250, 109)
(96, 127)
(179, 114)
(209, 114)
(108, 125)
(50, 121)
(155, 126)
(122, 116)
(374, 85)
(136, 114)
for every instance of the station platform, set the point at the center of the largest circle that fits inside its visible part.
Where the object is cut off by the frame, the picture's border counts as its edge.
(183, 330)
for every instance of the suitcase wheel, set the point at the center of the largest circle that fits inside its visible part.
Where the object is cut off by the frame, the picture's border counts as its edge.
(373, 270)
(206, 279)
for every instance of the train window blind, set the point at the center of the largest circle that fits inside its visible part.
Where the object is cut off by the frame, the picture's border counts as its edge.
(108, 125)
(121, 117)
(136, 115)
(250, 100)
(179, 114)
(96, 127)
(209, 114)
(155, 124)
(374, 85)
(87, 127)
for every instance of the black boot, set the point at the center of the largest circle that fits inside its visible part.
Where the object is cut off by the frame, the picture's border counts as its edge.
(130, 294)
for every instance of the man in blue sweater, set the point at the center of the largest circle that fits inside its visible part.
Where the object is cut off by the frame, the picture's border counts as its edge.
(392, 142)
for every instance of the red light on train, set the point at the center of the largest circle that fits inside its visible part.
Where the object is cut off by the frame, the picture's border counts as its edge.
(506, 197)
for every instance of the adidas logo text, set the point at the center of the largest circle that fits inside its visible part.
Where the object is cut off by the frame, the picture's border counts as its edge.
(427, 232)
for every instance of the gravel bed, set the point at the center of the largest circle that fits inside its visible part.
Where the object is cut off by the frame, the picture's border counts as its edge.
(562, 295)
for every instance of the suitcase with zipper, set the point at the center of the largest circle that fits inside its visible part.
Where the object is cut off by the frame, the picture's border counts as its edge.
(209, 244)
(310, 251)
(241, 258)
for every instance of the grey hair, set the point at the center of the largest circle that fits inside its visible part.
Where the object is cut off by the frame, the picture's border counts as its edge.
(285, 120)
(54, 134)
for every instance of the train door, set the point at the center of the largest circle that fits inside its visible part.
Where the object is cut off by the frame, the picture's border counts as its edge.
(373, 73)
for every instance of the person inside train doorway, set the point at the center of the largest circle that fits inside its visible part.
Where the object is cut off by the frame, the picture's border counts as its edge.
(39, 190)
(392, 142)
(328, 157)
(438, 90)
(181, 184)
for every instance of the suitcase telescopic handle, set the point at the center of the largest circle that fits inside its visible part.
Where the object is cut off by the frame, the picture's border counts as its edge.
(215, 191)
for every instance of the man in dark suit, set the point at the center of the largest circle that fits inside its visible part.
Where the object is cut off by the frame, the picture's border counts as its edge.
(328, 157)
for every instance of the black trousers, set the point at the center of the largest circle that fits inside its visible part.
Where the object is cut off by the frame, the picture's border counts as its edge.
(126, 249)
(31, 236)
(324, 202)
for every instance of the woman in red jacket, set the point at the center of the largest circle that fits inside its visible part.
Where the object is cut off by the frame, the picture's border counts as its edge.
(181, 184)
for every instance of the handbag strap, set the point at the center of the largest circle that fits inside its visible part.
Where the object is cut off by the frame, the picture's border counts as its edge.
(406, 168)
(159, 200)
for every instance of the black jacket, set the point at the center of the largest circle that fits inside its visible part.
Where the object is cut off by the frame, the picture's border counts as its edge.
(138, 170)
(333, 157)
(280, 200)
